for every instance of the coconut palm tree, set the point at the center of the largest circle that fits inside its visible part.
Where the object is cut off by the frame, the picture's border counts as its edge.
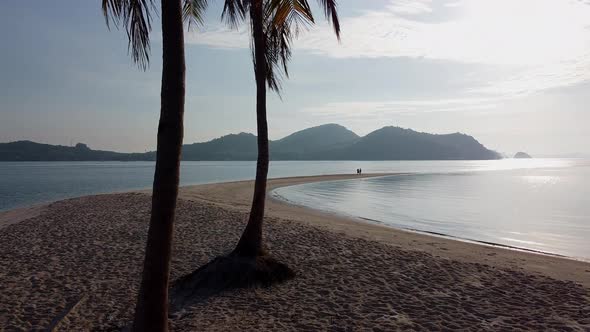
(151, 312)
(274, 24)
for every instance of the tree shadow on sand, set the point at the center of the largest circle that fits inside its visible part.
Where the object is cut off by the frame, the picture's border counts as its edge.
(226, 273)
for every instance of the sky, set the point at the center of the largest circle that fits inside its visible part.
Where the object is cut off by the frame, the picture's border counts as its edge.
(513, 74)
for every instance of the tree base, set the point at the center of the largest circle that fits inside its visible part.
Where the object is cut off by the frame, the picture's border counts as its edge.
(227, 272)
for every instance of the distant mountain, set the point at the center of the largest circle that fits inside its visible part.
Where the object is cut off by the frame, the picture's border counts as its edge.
(394, 143)
(522, 155)
(240, 146)
(31, 151)
(297, 146)
(312, 142)
(326, 142)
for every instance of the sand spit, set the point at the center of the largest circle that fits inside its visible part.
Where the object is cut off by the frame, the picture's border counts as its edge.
(17, 215)
(76, 266)
(238, 195)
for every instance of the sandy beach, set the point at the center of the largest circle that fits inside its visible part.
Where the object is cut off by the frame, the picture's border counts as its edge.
(75, 265)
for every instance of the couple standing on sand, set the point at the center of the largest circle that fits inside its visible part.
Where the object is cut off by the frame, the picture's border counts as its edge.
(359, 171)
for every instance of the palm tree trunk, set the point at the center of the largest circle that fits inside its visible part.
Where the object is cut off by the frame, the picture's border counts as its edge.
(250, 243)
(151, 312)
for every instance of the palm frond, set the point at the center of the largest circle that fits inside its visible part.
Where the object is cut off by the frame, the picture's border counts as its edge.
(136, 18)
(283, 19)
(331, 12)
(111, 9)
(292, 13)
(193, 10)
(234, 11)
(279, 36)
(277, 61)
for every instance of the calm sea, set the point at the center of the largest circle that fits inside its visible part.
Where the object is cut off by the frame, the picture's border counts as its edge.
(536, 204)
(539, 204)
(26, 183)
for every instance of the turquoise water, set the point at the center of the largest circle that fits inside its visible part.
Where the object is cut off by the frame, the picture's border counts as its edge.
(541, 205)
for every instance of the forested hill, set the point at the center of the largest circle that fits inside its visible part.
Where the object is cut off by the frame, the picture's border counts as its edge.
(31, 151)
(326, 142)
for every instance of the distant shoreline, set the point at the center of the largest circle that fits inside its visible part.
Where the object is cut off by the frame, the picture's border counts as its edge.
(329, 141)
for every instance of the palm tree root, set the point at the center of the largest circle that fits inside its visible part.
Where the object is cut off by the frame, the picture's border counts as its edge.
(225, 273)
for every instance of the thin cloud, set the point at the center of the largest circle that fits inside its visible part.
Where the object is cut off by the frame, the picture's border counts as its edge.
(540, 44)
(411, 7)
(366, 109)
(532, 80)
(507, 32)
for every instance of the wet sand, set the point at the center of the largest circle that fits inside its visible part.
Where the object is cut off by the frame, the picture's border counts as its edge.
(75, 265)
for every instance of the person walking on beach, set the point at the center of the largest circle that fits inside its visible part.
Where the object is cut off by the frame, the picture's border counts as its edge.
(360, 171)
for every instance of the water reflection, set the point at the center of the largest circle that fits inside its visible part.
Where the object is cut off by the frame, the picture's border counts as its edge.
(545, 208)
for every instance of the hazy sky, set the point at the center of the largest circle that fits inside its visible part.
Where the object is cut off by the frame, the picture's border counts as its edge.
(513, 74)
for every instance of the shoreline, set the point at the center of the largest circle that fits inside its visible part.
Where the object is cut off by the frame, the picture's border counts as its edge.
(370, 221)
(237, 195)
(16, 215)
(278, 198)
(76, 264)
